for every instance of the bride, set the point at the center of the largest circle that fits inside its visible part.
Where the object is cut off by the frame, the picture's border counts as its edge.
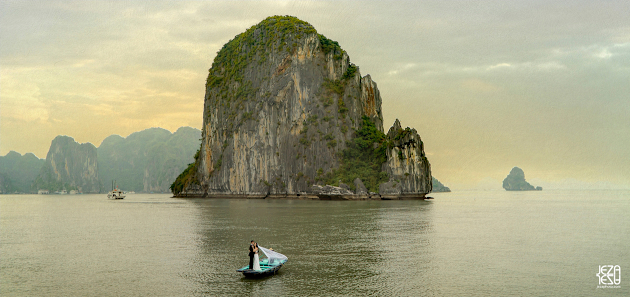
(256, 259)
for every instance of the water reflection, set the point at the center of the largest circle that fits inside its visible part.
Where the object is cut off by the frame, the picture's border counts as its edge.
(334, 247)
(467, 243)
(405, 237)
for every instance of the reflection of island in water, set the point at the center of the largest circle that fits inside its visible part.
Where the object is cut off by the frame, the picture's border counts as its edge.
(515, 181)
(334, 247)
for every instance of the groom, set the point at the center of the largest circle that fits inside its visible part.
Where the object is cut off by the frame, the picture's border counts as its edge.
(251, 255)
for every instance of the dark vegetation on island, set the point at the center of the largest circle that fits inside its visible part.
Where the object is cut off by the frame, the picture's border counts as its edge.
(438, 186)
(187, 177)
(362, 158)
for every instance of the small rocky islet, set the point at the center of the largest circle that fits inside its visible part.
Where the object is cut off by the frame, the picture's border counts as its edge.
(287, 115)
(515, 181)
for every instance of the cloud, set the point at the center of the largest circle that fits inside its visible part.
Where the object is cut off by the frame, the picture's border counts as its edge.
(22, 100)
(402, 68)
(500, 65)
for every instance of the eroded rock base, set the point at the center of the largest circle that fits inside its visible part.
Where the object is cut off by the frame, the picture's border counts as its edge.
(303, 196)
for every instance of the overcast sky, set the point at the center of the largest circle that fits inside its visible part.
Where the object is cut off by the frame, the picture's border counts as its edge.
(489, 85)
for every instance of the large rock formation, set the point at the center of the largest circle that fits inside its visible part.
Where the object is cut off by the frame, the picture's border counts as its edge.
(69, 166)
(407, 166)
(18, 172)
(284, 110)
(148, 160)
(515, 181)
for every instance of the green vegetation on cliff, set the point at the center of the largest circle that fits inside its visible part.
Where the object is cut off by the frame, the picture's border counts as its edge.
(187, 177)
(253, 45)
(363, 158)
(247, 51)
(329, 45)
(226, 76)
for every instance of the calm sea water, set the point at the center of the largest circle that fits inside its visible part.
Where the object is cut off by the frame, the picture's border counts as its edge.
(547, 243)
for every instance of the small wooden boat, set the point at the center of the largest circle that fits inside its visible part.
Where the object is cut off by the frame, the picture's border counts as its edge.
(268, 266)
(266, 269)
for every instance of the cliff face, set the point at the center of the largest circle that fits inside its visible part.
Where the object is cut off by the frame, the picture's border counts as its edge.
(69, 166)
(282, 103)
(515, 181)
(407, 165)
(148, 160)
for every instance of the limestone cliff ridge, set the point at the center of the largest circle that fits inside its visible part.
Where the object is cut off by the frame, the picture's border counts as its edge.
(69, 166)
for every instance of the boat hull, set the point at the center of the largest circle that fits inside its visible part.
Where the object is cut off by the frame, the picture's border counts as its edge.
(267, 270)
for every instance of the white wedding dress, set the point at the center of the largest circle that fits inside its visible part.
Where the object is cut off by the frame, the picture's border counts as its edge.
(256, 262)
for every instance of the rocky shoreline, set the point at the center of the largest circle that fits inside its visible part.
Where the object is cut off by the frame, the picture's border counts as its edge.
(304, 196)
(316, 192)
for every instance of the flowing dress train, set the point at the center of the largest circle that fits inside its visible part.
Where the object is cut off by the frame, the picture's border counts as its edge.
(256, 262)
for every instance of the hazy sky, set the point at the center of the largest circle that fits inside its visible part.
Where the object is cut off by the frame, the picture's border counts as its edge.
(489, 85)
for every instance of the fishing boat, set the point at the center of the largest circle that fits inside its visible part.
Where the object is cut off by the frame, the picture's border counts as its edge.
(268, 266)
(115, 193)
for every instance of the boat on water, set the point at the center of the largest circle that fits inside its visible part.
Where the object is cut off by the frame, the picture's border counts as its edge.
(268, 266)
(115, 193)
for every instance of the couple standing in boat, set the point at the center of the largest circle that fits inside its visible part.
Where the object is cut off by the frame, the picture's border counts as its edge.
(254, 261)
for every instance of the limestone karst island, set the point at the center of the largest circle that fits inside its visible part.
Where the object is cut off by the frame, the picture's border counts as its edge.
(515, 181)
(287, 115)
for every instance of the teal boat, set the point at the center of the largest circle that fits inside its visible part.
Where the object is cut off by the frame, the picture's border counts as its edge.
(268, 266)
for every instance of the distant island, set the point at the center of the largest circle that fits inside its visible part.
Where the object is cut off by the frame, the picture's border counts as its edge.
(145, 161)
(287, 115)
(17, 172)
(515, 181)
(438, 186)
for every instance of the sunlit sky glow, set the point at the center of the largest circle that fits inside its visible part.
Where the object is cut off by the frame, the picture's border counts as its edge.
(489, 85)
